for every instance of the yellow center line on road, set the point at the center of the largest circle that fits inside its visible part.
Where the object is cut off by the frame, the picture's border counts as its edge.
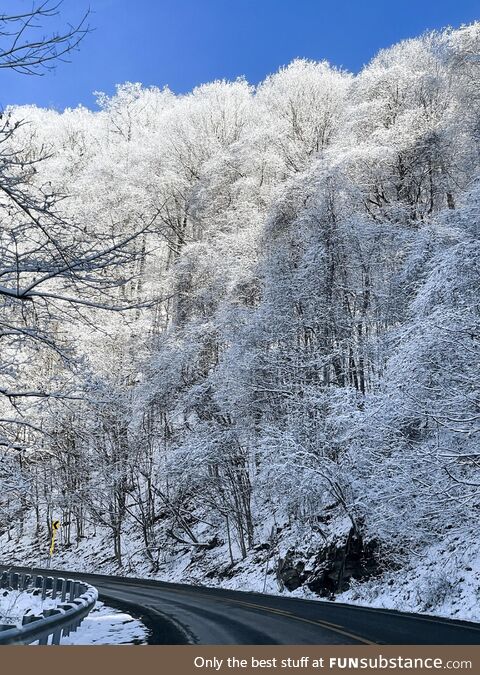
(335, 625)
(347, 633)
(325, 624)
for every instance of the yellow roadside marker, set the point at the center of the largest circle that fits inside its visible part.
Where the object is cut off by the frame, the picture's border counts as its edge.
(55, 528)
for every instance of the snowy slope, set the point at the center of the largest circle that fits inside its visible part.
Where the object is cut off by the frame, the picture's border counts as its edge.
(442, 580)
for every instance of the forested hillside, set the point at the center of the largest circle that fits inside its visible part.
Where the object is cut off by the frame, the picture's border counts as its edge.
(240, 327)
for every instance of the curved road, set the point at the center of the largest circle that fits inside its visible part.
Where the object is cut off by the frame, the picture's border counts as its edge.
(180, 614)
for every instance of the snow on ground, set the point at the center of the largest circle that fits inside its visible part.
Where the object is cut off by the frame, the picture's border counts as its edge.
(15, 604)
(103, 625)
(107, 626)
(441, 580)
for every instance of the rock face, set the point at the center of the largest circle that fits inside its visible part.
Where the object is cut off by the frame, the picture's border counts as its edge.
(334, 566)
(290, 574)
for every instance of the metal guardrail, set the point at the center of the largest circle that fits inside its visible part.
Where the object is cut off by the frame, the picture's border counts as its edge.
(77, 599)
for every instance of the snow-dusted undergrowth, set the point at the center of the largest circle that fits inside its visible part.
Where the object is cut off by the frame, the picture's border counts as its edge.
(14, 605)
(442, 579)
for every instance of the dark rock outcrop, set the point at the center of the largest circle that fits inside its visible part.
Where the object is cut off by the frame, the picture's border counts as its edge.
(291, 573)
(335, 565)
(338, 563)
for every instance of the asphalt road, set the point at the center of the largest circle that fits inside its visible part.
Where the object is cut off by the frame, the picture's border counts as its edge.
(181, 614)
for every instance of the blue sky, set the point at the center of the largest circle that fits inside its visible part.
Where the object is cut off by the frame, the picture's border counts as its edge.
(183, 43)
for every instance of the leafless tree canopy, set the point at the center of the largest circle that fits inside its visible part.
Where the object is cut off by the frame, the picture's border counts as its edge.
(49, 258)
(27, 48)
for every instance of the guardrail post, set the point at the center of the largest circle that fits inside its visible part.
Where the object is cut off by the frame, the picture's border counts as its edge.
(13, 580)
(57, 637)
(72, 589)
(54, 587)
(44, 588)
(64, 589)
(57, 633)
